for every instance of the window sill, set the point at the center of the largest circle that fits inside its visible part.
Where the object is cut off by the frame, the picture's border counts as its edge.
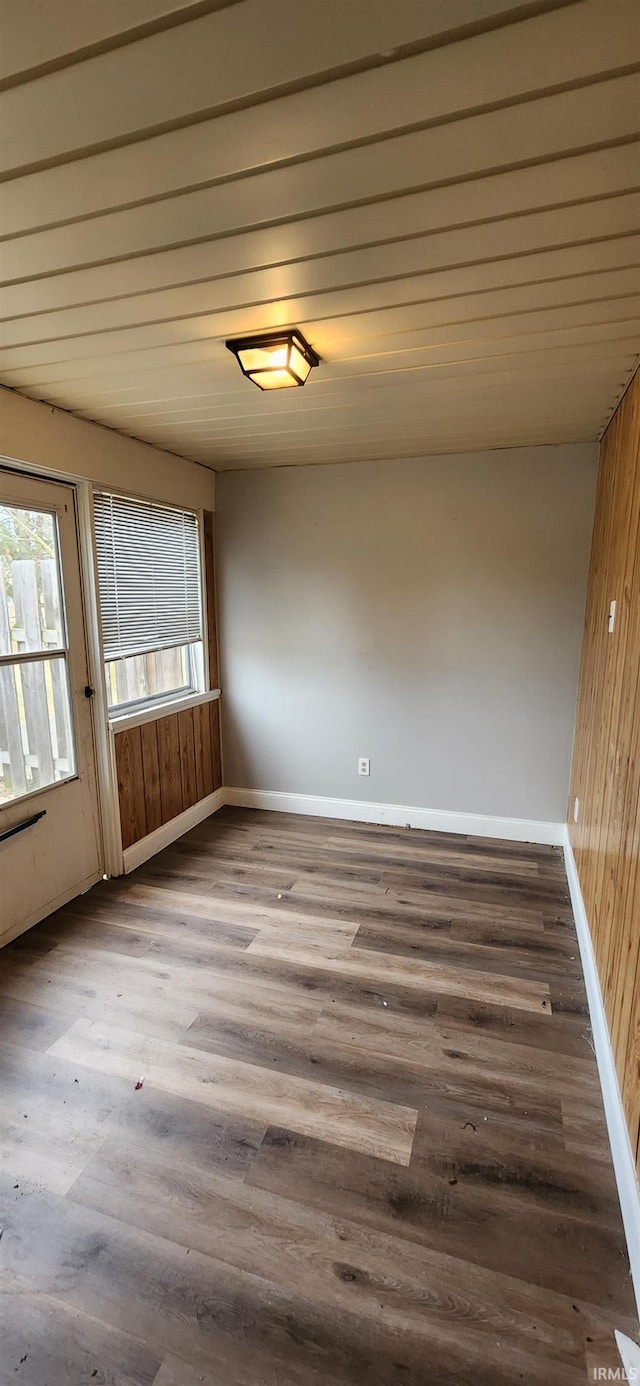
(154, 712)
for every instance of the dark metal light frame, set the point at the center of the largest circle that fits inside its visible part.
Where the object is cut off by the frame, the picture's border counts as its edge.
(292, 358)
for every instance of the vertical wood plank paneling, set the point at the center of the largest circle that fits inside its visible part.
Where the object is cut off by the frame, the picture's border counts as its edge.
(133, 816)
(169, 764)
(198, 743)
(202, 725)
(165, 766)
(606, 764)
(208, 751)
(151, 771)
(187, 758)
(216, 749)
(629, 999)
(624, 947)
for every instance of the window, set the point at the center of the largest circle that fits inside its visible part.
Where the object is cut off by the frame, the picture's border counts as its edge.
(36, 738)
(150, 600)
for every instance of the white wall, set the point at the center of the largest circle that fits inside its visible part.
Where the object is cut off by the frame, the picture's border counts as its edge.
(47, 437)
(426, 613)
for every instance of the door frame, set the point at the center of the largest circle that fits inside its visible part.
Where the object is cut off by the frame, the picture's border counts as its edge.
(111, 857)
(104, 749)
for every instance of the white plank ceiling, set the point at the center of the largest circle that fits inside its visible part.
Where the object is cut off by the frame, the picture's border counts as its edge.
(442, 194)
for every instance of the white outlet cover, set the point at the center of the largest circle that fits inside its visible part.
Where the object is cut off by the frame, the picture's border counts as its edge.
(364, 765)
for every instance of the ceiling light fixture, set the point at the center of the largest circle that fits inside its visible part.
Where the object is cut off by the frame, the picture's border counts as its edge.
(274, 360)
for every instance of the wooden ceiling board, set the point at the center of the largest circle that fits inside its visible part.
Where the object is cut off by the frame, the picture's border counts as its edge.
(241, 434)
(444, 197)
(188, 381)
(123, 404)
(367, 106)
(565, 180)
(451, 344)
(190, 415)
(413, 304)
(192, 398)
(355, 429)
(358, 322)
(519, 433)
(233, 57)
(375, 173)
(37, 34)
(334, 443)
(513, 235)
(330, 233)
(545, 266)
(557, 401)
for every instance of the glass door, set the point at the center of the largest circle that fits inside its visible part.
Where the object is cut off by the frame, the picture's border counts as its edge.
(49, 831)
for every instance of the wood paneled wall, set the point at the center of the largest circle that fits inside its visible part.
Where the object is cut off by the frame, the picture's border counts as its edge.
(166, 766)
(606, 763)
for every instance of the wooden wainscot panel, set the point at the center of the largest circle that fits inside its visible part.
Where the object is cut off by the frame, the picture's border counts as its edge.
(216, 744)
(169, 762)
(131, 791)
(166, 766)
(202, 743)
(187, 758)
(151, 773)
(606, 763)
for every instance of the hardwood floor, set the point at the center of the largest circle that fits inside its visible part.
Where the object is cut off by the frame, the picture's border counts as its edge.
(369, 1146)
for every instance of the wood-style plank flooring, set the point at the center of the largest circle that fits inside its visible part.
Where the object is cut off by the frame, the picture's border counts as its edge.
(369, 1146)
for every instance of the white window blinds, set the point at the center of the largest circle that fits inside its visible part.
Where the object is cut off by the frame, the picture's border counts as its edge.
(148, 575)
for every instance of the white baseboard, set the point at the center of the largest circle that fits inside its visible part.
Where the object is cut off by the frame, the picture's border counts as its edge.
(399, 815)
(354, 810)
(162, 837)
(623, 1161)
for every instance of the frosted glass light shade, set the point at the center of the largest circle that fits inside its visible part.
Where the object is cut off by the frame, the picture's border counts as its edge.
(275, 360)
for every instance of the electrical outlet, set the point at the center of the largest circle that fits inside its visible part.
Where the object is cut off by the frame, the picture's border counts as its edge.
(364, 766)
(576, 810)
